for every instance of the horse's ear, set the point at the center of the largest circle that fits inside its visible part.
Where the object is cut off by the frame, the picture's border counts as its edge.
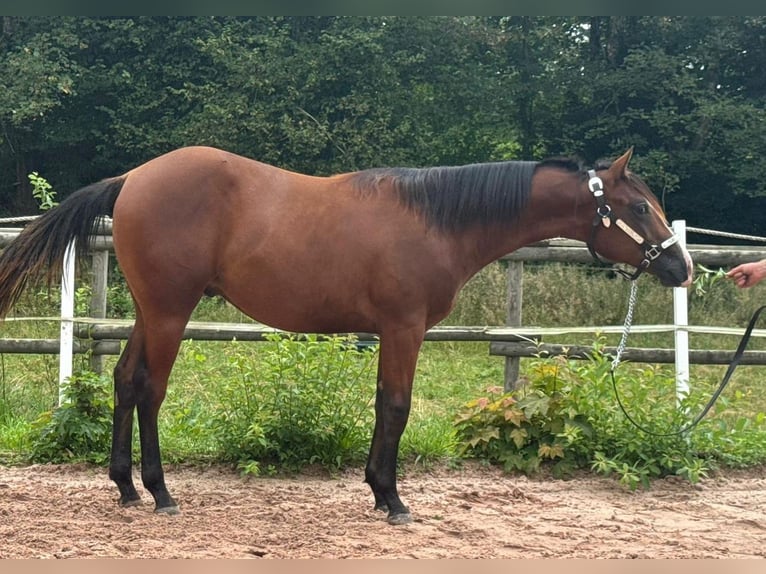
(620, 165)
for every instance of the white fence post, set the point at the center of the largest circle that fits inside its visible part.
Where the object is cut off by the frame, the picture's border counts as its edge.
(680, 321)
(67, 319)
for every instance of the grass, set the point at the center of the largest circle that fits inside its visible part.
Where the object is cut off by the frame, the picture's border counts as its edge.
(448, 374)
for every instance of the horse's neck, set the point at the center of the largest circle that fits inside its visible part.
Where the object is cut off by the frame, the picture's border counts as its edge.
(557, 209)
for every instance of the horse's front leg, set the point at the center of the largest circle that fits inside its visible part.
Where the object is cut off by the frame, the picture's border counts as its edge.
(396, 368)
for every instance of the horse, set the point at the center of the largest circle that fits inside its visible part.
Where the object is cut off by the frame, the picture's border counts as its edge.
(383, 251)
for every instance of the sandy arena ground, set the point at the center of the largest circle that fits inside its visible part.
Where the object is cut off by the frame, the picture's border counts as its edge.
(70, 511)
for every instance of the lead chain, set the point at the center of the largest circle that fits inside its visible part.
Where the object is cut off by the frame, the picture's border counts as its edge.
(626, 326)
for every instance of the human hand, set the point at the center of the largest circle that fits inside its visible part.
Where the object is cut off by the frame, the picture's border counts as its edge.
(748, 274)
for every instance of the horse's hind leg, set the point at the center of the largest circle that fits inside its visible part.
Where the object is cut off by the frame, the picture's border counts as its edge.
(162, 340)
(141, 378)
(121, 463)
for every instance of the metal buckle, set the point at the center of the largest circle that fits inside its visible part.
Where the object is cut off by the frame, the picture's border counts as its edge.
(595, 184)
(653, 252)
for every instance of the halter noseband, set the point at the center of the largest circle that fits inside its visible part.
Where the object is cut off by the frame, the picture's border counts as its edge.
(605, 217)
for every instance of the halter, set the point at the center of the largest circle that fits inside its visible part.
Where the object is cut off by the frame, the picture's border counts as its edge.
(605, 217)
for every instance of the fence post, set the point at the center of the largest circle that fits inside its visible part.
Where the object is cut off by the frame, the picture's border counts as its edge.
(66, 341)
(515, 296)
(681, 320)
(100, 271)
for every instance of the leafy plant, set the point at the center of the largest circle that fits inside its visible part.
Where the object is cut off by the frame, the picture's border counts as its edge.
(80, 428)
(705, 278)
(525, 428)
(309, 402)
(82, 297)
(42, 191)
(617, 446)
(565, 417)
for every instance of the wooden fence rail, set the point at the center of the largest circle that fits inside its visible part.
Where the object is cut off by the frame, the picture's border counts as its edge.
(504, 341)
(633, 354)
(102, 336)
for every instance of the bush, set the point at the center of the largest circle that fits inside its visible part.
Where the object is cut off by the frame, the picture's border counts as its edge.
(565, 417)
(310, 403)
(80, 428)
(522, 429)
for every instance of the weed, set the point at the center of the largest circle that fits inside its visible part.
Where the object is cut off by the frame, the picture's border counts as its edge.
(80, 428)
(42, 191)
(307, 401)
(565, 417)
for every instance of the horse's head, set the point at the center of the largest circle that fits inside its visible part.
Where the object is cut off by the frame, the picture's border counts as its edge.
(630, 227)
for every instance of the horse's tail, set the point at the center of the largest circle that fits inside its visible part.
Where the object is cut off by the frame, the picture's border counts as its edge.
(38, 251)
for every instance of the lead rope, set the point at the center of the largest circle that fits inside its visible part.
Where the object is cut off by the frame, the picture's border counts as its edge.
(725, 381)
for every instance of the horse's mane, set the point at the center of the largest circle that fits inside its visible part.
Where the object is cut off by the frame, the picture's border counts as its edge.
(453, 198)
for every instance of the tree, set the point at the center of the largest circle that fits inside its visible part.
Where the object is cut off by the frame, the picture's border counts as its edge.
(36, 77)
(679, 90)
(85, 98)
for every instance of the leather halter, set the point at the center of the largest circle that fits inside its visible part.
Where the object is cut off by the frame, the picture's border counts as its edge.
(605, 217)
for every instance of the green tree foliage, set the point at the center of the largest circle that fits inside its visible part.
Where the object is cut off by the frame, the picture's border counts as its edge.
(84, 98)
(680, 91)
(38, 77)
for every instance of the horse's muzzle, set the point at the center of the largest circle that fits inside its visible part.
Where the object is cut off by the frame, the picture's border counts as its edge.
(674, 268)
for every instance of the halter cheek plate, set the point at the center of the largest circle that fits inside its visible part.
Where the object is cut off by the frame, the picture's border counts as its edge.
(605, 217)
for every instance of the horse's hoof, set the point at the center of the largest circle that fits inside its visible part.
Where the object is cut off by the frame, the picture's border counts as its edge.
(131, 503)
(399, 519)
(170, 510)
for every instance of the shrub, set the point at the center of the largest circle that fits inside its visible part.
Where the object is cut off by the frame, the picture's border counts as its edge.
(310, 403)
(565, 417)
(80, 428)
(522, 429)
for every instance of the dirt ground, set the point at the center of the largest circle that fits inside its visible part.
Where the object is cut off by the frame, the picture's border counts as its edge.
(70, 511)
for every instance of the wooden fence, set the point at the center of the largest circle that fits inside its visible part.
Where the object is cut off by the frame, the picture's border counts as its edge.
(102, 336)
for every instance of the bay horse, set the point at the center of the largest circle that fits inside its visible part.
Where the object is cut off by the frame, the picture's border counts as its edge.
(383, 251)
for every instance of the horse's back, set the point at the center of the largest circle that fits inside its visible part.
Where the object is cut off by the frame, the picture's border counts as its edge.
(194, 174)
(196, 192)
(298, 252)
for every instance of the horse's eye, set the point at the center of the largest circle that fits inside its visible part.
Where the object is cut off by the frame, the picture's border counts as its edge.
(641, 209)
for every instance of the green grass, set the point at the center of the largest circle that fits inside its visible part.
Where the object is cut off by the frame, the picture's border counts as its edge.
(448, 374)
